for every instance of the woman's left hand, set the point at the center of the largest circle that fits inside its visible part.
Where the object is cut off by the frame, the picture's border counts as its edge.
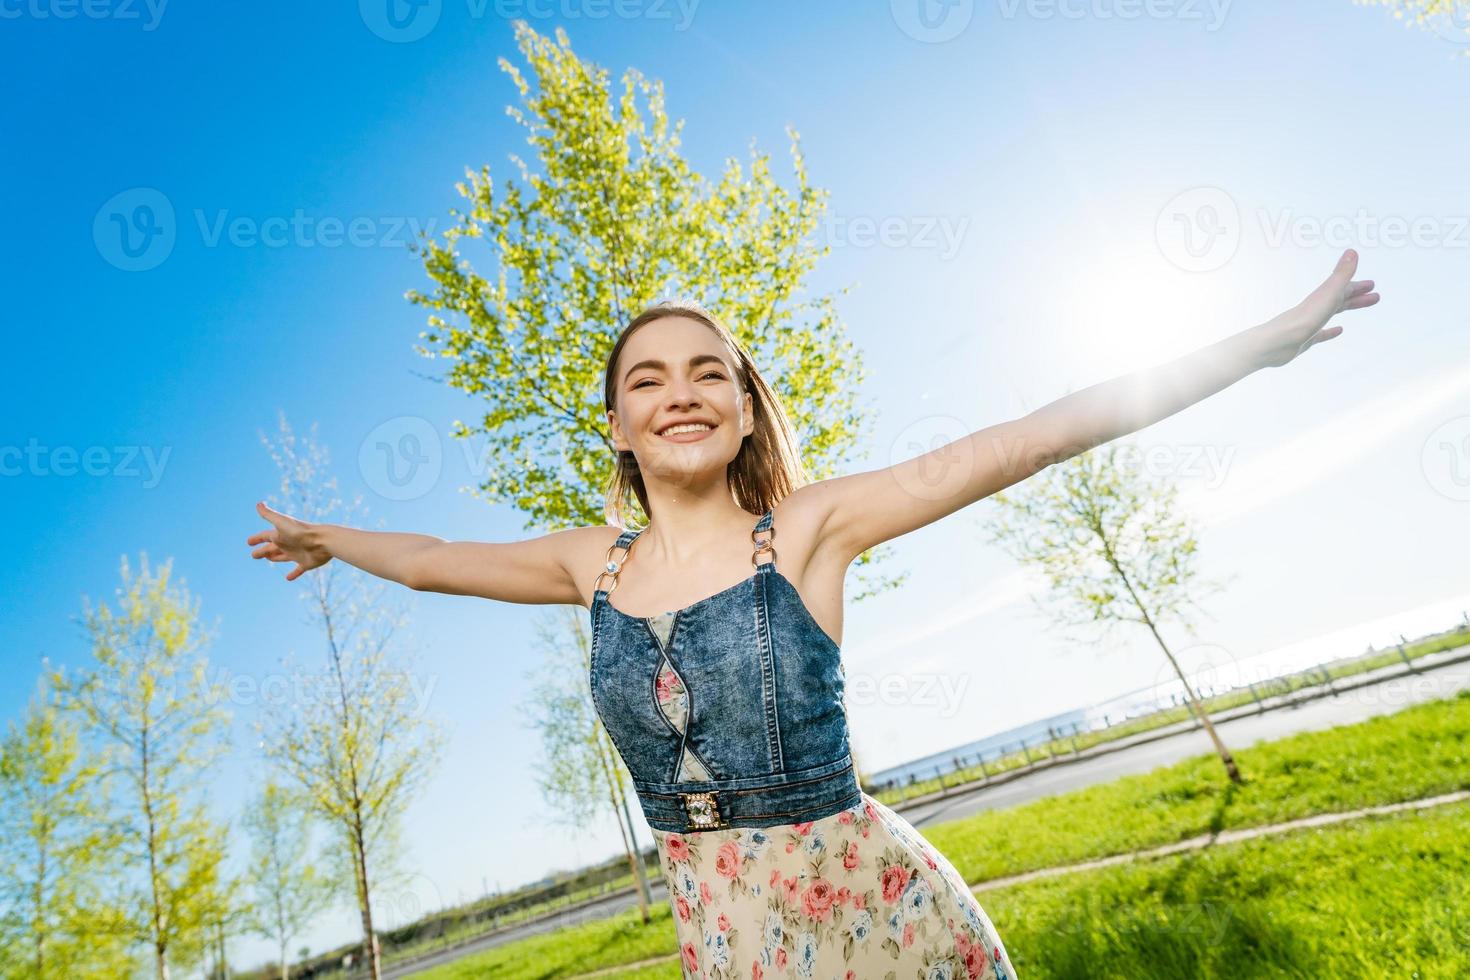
(1284, 337)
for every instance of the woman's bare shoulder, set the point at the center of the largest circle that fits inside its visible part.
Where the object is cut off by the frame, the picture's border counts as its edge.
(585, 555)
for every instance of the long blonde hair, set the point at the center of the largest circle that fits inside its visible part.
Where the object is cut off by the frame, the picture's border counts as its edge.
(768, 466)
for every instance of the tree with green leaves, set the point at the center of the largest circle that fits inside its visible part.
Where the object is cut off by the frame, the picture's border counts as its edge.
(578, 761)
(147, 705)
(1114, 548)
(357, 745)
(287, 888)
(613, 219)
(55, 844)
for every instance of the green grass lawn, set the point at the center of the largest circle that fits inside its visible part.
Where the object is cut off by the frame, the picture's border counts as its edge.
(1382, 897)
(1420, 751)
(1300, 896)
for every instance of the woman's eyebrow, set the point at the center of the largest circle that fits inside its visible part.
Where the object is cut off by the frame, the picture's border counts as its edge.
(658, 365)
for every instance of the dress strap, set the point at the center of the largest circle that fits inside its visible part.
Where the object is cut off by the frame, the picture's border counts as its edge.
(615, 565)
(767, 544)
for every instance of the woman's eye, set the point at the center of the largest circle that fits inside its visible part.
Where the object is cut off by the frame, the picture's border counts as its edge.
(707, 374)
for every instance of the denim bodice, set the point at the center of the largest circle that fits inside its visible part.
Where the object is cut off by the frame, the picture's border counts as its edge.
(729, 711)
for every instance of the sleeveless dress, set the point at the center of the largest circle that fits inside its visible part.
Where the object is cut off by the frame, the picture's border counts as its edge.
(728, 714)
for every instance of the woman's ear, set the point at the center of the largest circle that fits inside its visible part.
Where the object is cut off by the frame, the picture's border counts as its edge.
(615, 430)
(747, 415)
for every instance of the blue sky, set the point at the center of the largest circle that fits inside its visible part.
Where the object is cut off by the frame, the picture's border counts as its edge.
(1070, 191)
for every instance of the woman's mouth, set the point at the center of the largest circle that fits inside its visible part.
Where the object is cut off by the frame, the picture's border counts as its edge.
(687, 433)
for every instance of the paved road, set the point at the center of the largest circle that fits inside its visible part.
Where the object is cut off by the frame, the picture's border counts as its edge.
(1342, 709)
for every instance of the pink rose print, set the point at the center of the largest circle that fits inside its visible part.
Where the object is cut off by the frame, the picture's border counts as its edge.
(817, 903)
(755, 970)
(850, 859)
(677, 847)
(727, 860)
(775, 877)
(665, 686)
(908, 934)
(780, 957)
(929, 860)
(788, 885)
(681, 905)
(723, 922)
(975, 961)
(691, 957)
(893, 879)
(803, 828)
(705, 893)
(845, 817)
(870, 810)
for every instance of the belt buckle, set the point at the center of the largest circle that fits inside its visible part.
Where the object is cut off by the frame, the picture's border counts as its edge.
(704, 814)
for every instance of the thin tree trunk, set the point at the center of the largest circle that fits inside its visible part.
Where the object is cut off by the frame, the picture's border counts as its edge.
(370, 947)
(625, 827)
(1195, 706)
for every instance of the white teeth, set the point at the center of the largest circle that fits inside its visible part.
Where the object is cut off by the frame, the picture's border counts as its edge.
(700, 427)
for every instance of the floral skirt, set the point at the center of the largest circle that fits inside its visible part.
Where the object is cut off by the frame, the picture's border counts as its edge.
(856, 895)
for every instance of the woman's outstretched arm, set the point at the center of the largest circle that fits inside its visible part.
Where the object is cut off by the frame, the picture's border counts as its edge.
(860, 511)
(537, 570)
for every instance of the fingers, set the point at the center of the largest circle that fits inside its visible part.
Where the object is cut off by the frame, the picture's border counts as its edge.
(1322, 336)
(1347, 264)
(1358, 302)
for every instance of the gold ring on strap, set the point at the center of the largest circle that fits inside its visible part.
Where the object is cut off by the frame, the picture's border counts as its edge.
(768, 545)
(613, 567)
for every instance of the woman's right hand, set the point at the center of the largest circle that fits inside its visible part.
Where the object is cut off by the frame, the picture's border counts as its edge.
(289, 540)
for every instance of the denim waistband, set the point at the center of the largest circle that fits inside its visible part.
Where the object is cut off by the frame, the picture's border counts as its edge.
(754, 801)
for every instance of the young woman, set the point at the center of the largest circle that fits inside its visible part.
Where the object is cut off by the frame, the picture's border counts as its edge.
(721, 686)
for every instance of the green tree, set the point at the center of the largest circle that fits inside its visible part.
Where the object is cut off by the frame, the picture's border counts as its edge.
(578, 761)
(55, 843)
(613, 220)
(287, 889)
(148, 705)
(357, 744)
(1113, 547)
(1450, 19)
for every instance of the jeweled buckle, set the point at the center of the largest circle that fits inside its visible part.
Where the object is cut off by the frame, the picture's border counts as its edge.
(703, 813)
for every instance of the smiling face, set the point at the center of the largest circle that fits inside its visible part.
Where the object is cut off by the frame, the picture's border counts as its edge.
(678, 406)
